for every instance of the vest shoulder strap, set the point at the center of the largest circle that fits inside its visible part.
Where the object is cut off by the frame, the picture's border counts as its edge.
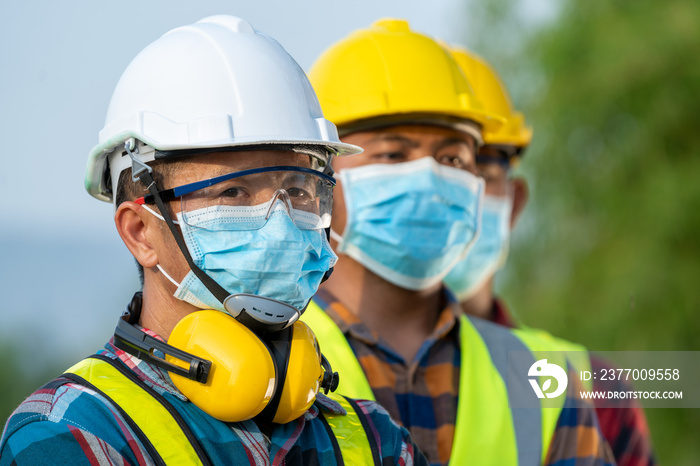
(576, 354)
(353, 433)
(485, 433)
(158, 427)
(544, 345)
(337, 350)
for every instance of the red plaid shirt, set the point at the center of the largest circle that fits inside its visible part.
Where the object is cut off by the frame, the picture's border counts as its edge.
(625, 428)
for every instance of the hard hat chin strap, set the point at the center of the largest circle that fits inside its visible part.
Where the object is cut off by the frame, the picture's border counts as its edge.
(144, 173)
(217, 290)
(243, 307)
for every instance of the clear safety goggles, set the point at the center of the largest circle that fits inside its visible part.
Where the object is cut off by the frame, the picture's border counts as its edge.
(246, 200)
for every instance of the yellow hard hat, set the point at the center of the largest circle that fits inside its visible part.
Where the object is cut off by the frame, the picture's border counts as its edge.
(388, 73)
(489, 89)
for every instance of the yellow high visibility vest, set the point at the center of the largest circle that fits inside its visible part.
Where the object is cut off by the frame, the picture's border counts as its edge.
(488, 430)
(171, 443)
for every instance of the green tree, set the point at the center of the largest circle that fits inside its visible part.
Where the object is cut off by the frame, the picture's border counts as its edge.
(17, 381)
(608, 252)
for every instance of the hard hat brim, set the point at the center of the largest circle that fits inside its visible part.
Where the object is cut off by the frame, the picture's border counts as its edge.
(96, 181)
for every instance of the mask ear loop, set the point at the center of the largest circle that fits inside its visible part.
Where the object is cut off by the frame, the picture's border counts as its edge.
(335, 235)
(328, 273)
(328, 170)
(162, 270)
(143, 173)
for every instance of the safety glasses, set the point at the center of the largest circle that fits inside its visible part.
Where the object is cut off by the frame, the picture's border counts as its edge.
(245, 200)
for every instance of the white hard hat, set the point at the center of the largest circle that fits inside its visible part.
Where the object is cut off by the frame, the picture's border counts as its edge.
(216, 83)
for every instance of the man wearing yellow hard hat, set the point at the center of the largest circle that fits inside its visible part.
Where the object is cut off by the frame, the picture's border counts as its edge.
(406, 211)
(624, 425)
(215, 156)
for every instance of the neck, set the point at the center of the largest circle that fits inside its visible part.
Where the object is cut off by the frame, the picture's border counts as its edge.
(403, 318)
(481, 303)
(161, 311)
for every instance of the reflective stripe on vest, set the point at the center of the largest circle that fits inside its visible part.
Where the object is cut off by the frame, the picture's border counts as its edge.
(154, 420)
(351, 434)
(487, 430)
(167, 437)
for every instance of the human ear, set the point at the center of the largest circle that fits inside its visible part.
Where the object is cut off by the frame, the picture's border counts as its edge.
(521, 194)
(134, 225)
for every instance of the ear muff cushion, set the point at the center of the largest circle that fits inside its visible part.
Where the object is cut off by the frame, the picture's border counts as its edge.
(242, 377)
(304, 375)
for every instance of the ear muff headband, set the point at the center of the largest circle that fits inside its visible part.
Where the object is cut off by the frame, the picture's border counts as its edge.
(330, 379)
(132, 340)
(306, 375)
(279, 346)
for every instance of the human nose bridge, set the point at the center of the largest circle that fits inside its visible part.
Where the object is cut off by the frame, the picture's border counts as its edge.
(418, 151)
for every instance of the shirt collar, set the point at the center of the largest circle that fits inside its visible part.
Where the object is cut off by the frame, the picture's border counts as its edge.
(350, 323)
(501, 315)
(328, 404)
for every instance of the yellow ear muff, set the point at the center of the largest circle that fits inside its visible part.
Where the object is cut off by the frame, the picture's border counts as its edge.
(242, 377)
(304, 375)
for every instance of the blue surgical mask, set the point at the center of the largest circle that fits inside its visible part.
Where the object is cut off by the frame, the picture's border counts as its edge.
(277, 261)
(409, 223)
(489, 252)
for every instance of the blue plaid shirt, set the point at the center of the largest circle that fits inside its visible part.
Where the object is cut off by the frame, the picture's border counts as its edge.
(65, 423)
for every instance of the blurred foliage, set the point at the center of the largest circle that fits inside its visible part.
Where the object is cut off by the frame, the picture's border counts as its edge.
(17, 380)
(608, 251)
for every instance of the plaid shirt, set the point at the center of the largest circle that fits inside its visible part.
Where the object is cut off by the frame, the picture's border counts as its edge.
(624, 426)
(422, 394)
(65, 423)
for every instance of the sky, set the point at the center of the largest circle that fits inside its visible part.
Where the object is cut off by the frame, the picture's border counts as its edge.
(61, 61)
(65, 276)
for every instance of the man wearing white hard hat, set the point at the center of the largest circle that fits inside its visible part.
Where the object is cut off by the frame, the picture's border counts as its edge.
(216, 157)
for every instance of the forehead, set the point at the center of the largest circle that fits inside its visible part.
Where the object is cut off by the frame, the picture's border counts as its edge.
(203, 166)
(503, 152)
(423, 134)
